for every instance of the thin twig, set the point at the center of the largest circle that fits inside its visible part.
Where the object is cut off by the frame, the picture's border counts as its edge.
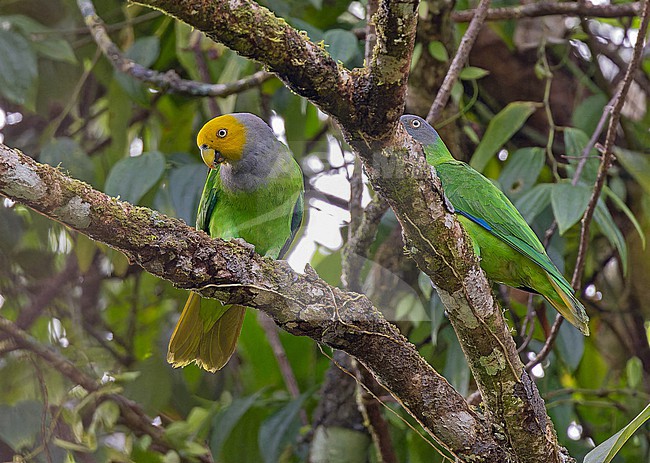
(534, 10)
(617, 105)
(132, 415)
(167, 81)
(371, 409)
(359, 240)
(46, 406)
(48, 290)
(592, 142)
(615, 56)
(608, 154)
(271, 332)
(459, 61)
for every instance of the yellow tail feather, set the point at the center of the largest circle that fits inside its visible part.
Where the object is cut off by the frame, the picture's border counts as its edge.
(570, 308)
(208, 343)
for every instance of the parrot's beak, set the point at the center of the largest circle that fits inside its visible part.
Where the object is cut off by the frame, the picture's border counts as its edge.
(210, 157)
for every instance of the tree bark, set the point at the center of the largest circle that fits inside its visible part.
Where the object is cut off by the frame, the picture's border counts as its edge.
(304, 305)
(367, 104)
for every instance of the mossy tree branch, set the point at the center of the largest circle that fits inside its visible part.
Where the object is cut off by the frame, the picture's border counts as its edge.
(304, 305)
(367, 103)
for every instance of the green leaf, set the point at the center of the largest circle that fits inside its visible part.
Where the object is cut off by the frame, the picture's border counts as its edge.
(473, 73)
(144, 51)
(534, 201)
(588, 112)
(437, 315)
(67, 153)
(636, 164)
(521, 171)
(343, 45)
(185, 187)
(456, 370)
(570, 345)
(279, 430)
(569, 203)
(152, 388)
(634, 372)
(438, 51)
(12, 227)
(606, 451)
(606, 223)
(340, 445)
(626, 210)
(132, 177)
(55, 49)
(415, 57)
(18, 71)
(20, 424)
(224, 421)
(575, 141)
(41, 38)
(500, 129)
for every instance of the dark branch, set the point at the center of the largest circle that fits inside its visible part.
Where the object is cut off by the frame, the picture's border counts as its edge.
(533, 10)
(366, 104)
(610, 137)
(459, 61)
(133, 416)
(304, 305)
(165, 81)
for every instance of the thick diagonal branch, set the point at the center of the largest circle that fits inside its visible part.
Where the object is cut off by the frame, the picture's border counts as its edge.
(366, 104)
(302, 304)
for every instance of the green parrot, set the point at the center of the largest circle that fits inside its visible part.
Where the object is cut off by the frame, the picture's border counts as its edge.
(509, 250)
(254, 191)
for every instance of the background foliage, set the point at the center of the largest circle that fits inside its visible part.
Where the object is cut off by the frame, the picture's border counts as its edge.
(526, 107)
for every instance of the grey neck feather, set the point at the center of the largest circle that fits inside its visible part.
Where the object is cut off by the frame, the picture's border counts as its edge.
(425, 134)
(264, 157)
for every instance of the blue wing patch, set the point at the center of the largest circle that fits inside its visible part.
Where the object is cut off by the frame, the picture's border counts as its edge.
(476, 220)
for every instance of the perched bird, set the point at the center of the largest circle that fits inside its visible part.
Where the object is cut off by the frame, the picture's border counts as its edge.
(509, 250)
(254, 191)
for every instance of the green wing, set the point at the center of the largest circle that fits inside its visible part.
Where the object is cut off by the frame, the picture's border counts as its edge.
(296, 220)
(478, 199)
(208, 201)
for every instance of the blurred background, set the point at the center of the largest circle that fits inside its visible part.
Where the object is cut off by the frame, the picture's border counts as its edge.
(527, 105)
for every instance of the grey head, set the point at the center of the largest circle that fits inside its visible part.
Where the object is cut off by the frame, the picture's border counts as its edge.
(264, 156)
(419, 129)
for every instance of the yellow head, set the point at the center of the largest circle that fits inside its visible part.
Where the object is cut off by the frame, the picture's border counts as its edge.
(222, 139)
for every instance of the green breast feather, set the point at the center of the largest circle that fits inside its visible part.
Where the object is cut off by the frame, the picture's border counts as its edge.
(509, 250)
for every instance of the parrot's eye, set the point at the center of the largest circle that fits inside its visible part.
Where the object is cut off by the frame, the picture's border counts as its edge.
(222, 133)
(415, 124)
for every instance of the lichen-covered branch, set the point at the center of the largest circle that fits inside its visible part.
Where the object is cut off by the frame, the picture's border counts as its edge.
(367, 111)
(395, 24)
(301, 304)
(440, 247)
